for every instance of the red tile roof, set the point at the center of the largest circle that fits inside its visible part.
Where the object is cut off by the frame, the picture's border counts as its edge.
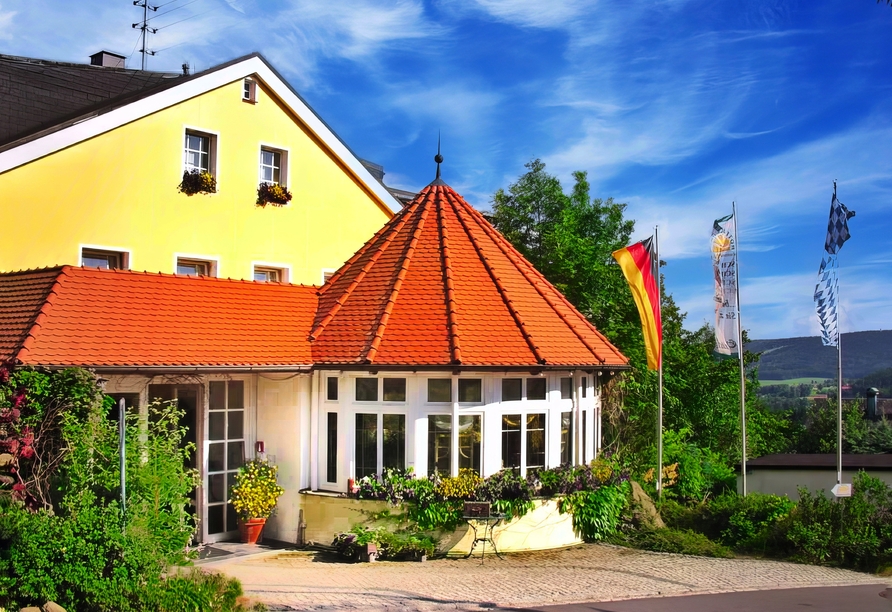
(72, 316)
(438, 285)
(22, 295)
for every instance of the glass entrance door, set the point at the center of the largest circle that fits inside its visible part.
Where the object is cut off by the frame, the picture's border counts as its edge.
(187, 399)
(225, 452)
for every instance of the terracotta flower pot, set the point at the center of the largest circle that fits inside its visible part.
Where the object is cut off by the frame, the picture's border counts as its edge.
(251, 530)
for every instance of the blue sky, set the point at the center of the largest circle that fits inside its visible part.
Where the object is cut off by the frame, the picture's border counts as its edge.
(676, 107)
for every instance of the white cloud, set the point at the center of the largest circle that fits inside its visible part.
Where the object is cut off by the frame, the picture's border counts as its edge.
(355, 29)
(531, 13)
(772, 192)
(458, 108)
(782, 305)
(6, 18)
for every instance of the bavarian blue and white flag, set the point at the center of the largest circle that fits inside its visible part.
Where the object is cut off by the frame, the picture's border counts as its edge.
(826, 302)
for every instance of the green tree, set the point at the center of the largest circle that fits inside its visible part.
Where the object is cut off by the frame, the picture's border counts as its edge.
(570, 238)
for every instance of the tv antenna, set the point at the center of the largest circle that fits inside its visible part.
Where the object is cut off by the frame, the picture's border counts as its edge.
(144, 27)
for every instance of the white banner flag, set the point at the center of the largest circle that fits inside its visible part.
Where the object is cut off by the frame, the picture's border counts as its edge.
(724, 265)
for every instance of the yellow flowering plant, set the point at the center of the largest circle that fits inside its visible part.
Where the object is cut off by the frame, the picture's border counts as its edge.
(255, 492)
(272, 193)
(197, 181)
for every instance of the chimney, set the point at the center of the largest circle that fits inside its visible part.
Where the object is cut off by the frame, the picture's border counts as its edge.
(108, 59)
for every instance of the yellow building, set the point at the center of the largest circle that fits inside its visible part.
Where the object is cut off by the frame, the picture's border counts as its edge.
(91, 158)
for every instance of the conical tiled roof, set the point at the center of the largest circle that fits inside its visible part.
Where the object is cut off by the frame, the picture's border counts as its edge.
(439, 286)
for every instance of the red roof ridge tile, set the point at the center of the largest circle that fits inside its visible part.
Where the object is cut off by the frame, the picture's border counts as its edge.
(41, 315)
(517, 259)
(449, 286)
(57, 268)
(342, 299)
(503, 292)
(372, 351)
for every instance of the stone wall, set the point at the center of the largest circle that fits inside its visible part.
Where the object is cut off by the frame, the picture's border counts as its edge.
(542, 528)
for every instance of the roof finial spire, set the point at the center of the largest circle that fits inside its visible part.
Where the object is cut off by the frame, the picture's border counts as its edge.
(438, 158)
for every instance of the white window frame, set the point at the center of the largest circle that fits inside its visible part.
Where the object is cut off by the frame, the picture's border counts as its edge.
(249, 90)
(523, 390)
(379, 409)
(213, 150)
(285, 166)
(323, 464)
(332, 402)
(482, 401)
(524, 412)
(283, 269)
(124, 254)
(213, 263)
(453, 436)
(380, 401)
(438, 405)
(475, 409)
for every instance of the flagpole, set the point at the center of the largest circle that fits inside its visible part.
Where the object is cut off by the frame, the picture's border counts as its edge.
(838, 403)
(740, 352)
(838, 381)
(660, 403)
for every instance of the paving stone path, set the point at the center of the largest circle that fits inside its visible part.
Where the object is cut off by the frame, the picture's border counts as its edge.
(316, 581)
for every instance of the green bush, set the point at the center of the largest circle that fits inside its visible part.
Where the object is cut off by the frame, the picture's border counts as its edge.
(199, 591)
(850, 532)
(597, 513)
(509, 493)
(390, 544)
(63, 535)
(700, 472)
(755, 523)
(681, 541)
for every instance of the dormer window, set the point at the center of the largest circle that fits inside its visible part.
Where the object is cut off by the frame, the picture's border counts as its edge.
(269, 275)
(195, 267)
(107, 260)
(249, 91)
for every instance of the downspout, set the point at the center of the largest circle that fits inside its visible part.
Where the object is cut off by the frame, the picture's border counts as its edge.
(577, 403)
(596, 394)
(455, 431)
(315, 392)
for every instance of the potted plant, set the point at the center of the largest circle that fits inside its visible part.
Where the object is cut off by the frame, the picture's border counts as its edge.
(254, 497)
(272, 193)
(197, 181)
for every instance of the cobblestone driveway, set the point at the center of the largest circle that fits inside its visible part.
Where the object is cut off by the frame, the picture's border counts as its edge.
(308, 581)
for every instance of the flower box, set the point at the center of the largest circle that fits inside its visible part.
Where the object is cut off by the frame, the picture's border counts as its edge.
(197, 181)
(273, 194)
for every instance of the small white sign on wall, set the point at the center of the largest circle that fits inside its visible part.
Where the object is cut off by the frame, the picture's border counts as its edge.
(842, 490)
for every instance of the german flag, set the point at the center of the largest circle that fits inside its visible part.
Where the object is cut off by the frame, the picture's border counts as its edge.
(641, 269)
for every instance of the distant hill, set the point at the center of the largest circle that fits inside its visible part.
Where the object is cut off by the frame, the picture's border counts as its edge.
(862, 353)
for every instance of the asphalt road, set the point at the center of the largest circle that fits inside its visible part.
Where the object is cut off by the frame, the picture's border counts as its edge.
(862, 598)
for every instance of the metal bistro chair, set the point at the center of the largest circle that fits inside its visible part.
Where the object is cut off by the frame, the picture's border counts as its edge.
(479, 515)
